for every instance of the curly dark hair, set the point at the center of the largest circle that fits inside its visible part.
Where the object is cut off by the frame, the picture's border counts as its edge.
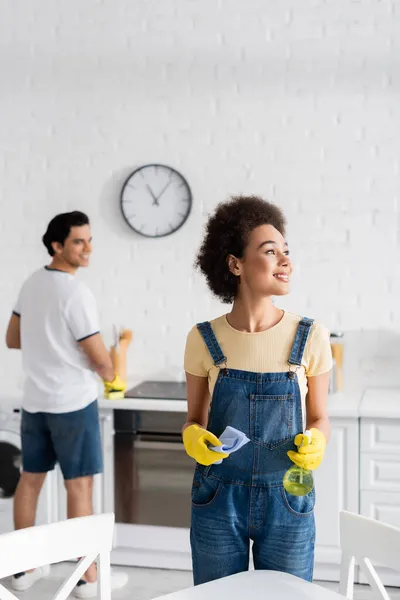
(227, 232)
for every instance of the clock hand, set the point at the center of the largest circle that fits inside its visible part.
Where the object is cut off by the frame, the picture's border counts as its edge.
(163, 190)
(155, 199)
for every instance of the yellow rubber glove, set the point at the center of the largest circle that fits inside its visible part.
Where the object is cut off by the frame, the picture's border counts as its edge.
(196, 441)
(116, 385)
(310, 453)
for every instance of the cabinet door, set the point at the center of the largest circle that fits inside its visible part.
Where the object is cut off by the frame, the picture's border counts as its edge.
(105, 490)
(380, 472)
(336, 485)
(380, 436)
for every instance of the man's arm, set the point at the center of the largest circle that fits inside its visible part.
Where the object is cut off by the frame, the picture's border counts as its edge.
(98, 356)
(13, 335)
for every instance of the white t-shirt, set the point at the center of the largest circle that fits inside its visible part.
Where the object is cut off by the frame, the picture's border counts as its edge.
(57, 311)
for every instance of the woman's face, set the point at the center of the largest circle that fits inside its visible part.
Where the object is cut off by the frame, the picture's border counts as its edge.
(265, 268)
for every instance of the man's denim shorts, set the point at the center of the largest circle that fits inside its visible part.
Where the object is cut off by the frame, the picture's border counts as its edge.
(72, 439)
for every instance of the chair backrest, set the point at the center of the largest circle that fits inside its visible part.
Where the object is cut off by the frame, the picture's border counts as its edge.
(362, 539)
(84, 537)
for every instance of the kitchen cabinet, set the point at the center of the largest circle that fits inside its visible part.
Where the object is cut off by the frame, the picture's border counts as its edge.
(360, 473)
(363, 477)
(336, 487)
(380, 464)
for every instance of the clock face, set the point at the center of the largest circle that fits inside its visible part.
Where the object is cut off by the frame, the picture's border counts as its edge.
(156, 200)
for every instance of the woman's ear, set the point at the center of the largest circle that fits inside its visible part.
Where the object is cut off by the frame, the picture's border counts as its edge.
(233, 265)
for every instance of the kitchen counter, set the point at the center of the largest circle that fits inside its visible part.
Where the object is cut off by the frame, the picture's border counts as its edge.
(144, 404)
(380, 403)
(374, 403)
(339, 405)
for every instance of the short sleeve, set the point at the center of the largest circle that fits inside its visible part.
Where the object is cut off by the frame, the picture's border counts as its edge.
(318, 353)
(195, 354)
(81, 314)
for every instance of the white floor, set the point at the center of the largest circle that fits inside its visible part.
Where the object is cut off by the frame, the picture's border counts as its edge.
(145, 584)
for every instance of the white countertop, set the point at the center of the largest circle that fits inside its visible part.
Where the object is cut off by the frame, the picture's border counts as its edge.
(144, 404)
(374, 403)
(339, 405)
(381, 404)
(344, 405)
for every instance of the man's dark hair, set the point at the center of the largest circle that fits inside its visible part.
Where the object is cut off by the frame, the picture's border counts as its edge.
(60, 226)
(227, 232)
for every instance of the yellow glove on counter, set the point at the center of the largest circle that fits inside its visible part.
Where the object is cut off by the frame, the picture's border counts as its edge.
(310, 453)
(196, 441)
(116, 385)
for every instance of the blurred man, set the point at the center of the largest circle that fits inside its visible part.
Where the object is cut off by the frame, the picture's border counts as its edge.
(55, 325)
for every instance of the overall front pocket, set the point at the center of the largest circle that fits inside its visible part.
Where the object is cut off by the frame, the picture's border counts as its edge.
(299, 506)
(272, 419)
(204, 490)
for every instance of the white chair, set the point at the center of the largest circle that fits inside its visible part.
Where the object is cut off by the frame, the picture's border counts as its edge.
(361, 537)
(256, 585)
(87, 537)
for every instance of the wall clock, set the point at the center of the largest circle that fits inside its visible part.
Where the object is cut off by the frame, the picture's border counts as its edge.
(156, 200)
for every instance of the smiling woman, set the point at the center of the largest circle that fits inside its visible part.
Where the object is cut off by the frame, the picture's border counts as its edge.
(228, 237)
(264, 372)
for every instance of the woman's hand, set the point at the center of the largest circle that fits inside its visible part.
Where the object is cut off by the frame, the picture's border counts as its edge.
(310, 452)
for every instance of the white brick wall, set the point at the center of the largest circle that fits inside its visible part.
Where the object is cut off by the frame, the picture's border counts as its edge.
(296, 101)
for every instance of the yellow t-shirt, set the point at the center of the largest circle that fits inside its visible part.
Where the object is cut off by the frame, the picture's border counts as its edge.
(263, 352)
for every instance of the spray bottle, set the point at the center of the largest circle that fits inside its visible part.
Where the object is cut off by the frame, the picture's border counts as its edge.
(298, 481)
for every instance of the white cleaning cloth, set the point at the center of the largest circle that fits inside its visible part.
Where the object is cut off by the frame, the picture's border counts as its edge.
(232, 440)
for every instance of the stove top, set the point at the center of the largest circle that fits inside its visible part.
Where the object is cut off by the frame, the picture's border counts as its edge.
(158, 390)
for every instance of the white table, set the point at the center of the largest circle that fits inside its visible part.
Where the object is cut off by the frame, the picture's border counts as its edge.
(262, 585)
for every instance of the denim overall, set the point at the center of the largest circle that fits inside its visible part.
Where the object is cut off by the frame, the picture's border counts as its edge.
(243, 498)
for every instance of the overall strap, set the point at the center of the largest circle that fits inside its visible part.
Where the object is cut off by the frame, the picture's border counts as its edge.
(303, 331)
(212, 343)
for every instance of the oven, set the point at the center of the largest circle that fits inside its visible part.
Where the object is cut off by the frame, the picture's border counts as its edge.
(152, 472)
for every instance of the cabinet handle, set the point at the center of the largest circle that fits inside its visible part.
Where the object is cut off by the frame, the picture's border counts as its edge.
(158, 446)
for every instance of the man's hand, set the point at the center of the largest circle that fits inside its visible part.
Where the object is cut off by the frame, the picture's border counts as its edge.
(13, 335)
(116, 385)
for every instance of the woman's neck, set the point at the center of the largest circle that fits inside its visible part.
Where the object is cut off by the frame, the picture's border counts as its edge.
(254, 315)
